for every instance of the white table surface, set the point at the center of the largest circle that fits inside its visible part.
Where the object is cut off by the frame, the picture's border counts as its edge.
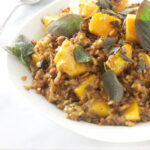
(21, 126)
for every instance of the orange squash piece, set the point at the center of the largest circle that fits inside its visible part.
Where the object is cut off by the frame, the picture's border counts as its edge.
(100, 24)
(65, 61)
(100, 108)
(80, 90)
(84, 8)
(35, 58)
(119, 4)
(146, 58)
(47, 20)
(118, 64)
(130, 28)
(132, 113)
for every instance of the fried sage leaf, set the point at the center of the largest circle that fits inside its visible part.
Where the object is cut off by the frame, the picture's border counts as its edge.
(105, 4)
(114, 50)
(115, 24)
(22, 49)
(108, 43)
(66, 26)
(126, 58)
(142, 25)
(80, 55)
(128, 11)
(142, 65)
(111, 12)
(112, 86)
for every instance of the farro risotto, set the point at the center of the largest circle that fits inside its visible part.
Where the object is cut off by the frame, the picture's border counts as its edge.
(93, 62)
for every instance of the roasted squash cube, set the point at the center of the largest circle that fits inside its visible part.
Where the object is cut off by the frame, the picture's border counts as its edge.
(81, 89)
(47, 20)
(130, 28)
(100, 24)
(35, 58)
(132, 113)
(145, 57)
(99, 108)
(119, 5)
(118, 64)
(84, 8)
(65, 61)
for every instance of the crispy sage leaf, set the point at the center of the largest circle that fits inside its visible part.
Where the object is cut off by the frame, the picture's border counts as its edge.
(115, 24)
(111, 12)
(117, 0)
(66, 26)
(126, 58)
(105, 4)
(112, 86)
(108, 43)
(80, 55)
(128, 11)
(121, 42)
(114, 50)
(22, 49)
(142, 66)
(142, 25)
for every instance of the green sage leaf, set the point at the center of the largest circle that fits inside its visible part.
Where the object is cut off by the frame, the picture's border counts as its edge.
(115, 24)
(142, 25)
(128, 11)
(66, 26)
(108, 43)
(22, 49)
(111, 12)
(80, 55)
(142, 65)
(121, 42)
(112, 86)
(105, 4)
(114, 50)
(126, 58)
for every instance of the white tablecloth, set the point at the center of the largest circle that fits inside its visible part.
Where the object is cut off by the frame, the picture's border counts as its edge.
(21, 126)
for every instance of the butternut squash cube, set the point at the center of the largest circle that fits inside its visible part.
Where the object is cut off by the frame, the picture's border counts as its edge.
(99, 108)
(84, 8)
(47, 20)
(87, 9)
(119, 5)
(35, 58)
(132, 113)
(145, 57)
(118, 64)
(130, 28)
(81, 89)
(100, 24)
(65, 61)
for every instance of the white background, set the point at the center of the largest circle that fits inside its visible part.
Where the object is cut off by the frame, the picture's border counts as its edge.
(21, 126)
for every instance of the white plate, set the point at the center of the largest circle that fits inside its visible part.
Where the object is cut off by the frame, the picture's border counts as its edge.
(33, 30)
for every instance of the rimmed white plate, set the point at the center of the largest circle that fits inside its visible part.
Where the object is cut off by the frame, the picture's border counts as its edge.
(119, 134)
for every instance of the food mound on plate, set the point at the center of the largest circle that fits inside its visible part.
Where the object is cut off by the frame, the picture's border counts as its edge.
(94, 61)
